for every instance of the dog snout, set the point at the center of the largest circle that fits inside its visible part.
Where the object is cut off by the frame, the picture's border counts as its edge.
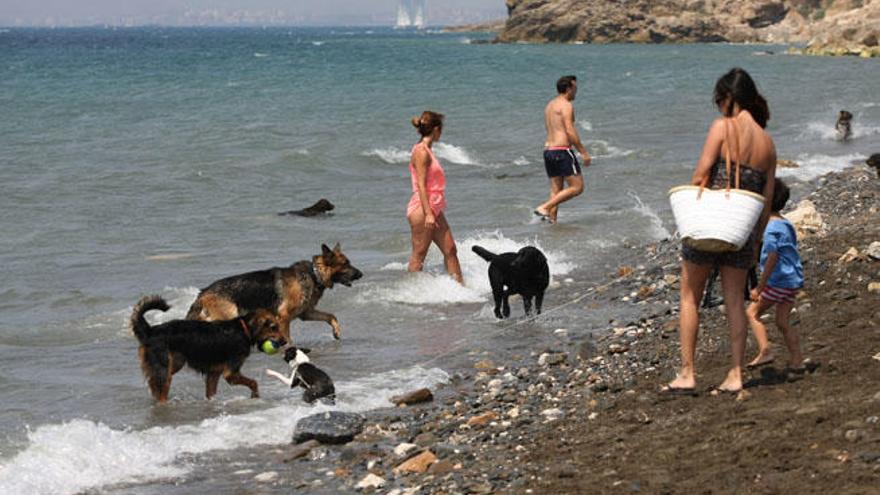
(357, 274)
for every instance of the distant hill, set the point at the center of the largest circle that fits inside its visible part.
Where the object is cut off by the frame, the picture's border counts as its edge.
(826, 26)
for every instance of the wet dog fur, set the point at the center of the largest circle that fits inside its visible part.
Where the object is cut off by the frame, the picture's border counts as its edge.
(319, 208)
(291, 292)
(525, 273)
(214, 349)
(303, 373)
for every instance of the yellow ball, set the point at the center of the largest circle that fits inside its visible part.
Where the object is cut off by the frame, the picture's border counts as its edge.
(269, 347)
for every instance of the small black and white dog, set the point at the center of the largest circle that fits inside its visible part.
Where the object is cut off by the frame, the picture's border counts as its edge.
(844, 125)
(303, 373)
(524, 272)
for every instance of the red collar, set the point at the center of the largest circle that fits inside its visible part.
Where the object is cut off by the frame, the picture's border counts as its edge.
(245, 328)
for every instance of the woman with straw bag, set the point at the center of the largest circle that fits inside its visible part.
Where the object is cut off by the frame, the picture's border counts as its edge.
(737, 148)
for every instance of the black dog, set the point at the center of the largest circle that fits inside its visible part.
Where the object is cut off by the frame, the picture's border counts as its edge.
(319, 208)
(303, 373)
(524, 272)
(214, 349)
(844, 126)
(874, 161)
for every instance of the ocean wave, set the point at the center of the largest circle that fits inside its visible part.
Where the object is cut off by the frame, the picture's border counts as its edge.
(828, 132)
(445, 152)
(521, 161)
(812, 166)
(82, 455)
(585, 125)
(434, 287)
(603, 149)
(657, 230)
(260, 55)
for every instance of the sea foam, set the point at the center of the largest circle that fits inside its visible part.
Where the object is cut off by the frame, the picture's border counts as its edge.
(81, 455)
(434, 287)
(812, 166)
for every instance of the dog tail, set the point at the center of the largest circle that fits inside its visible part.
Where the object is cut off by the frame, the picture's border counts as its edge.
(139, 325)
(485, 254)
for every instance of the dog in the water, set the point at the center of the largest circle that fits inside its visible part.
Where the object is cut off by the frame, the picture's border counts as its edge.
(844, 126)
(874, 162)
(303, 373)
(524, 272)
(319, 208)
(291, 292)
(214, 349)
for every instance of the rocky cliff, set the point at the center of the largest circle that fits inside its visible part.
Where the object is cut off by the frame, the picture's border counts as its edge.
(848, 26)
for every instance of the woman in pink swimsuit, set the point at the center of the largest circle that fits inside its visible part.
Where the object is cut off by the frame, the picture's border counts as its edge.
(428, 201)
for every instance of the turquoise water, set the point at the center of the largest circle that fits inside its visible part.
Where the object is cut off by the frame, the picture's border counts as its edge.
(154, 160)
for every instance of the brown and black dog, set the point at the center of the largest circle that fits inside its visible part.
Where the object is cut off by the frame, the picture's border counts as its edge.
(291, 292)
(214, 349)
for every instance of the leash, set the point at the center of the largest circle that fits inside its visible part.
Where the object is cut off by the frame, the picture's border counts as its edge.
(244, 327)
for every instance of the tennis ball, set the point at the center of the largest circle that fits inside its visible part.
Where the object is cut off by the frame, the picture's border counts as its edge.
(269, 347)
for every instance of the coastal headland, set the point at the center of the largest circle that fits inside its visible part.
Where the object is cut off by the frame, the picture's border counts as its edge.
(836, 27)
(586, 416)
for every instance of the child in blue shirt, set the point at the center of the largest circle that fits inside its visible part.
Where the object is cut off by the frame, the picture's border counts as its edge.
(782, 276)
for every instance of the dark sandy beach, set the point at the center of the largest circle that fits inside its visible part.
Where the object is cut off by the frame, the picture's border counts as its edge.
(585, 416)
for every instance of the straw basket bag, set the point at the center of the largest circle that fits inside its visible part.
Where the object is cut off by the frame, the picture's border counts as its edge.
(716, 221)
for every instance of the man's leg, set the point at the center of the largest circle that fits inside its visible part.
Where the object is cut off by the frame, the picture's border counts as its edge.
(574, 187)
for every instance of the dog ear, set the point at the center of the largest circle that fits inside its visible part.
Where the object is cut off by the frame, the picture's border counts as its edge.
(337, 248)
(325, 250)
(305, 350)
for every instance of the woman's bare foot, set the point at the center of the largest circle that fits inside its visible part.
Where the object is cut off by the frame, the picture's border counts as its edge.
(761, 359)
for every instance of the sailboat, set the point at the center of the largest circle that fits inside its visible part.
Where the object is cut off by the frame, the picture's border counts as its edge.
(419, 16)
(403, 19)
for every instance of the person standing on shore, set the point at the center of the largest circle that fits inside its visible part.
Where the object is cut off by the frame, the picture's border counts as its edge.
(782, 276)
(428, 201)
(566, 180)
(739, 134)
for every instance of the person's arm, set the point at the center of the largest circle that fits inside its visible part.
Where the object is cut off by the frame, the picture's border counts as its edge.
(769, 187)
(572, 134)
(710, 153)
(769, 265)
(421, 162)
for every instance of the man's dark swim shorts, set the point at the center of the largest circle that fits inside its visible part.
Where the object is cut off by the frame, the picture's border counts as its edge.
(561, 162)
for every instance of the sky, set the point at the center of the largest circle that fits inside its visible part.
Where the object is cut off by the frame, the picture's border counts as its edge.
(237, 12)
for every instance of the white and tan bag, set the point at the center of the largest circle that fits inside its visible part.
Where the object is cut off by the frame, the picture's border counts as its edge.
(716, 221)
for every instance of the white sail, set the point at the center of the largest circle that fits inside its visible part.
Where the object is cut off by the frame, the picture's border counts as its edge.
(419, 13)
(403, 18)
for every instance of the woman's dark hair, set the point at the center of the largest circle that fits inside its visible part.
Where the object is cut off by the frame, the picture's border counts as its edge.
(427, 122)
(781, 193)
(738, 85)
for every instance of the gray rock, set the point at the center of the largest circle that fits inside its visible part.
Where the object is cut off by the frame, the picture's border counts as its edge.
(873, 250)
(414, 397)
(331, 427)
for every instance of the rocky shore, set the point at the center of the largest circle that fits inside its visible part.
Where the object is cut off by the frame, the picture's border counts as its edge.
(585, 416)
(835, 27)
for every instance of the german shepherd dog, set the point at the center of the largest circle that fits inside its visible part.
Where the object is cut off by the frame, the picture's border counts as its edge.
(291, 292)
(524, 272)
(844, 125)
(214, 349)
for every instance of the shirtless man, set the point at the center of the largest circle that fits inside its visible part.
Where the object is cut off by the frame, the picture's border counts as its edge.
(562, 166)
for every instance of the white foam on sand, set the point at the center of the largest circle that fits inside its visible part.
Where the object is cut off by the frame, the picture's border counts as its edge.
(84, 455)
(812, 166)
(434, 287)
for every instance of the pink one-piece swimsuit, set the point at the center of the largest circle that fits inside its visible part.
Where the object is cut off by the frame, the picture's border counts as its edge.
(436, 184)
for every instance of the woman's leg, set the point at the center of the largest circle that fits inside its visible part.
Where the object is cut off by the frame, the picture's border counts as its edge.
(733, 280)
(693, 283)
(442, 236)
(753, 313)
(792, 340)
(421, 240)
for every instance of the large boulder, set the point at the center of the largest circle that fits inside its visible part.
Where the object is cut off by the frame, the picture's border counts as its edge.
(331, 427)
(806, 220)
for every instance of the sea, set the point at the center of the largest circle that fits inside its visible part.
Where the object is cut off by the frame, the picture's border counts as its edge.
(156, 160)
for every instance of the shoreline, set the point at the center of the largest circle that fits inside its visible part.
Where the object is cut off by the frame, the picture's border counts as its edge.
(586, 412)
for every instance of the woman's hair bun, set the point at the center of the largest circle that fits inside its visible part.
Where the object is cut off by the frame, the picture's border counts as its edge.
(416, 121)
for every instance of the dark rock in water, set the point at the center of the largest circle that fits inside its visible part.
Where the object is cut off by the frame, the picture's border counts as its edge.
(414, 397)
(323, 206)
(331, 427)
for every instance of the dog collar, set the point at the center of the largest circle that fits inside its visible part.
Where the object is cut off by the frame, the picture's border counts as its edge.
(245, 328)
(317, 277)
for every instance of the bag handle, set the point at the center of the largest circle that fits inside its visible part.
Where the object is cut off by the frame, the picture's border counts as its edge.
(728, 122)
